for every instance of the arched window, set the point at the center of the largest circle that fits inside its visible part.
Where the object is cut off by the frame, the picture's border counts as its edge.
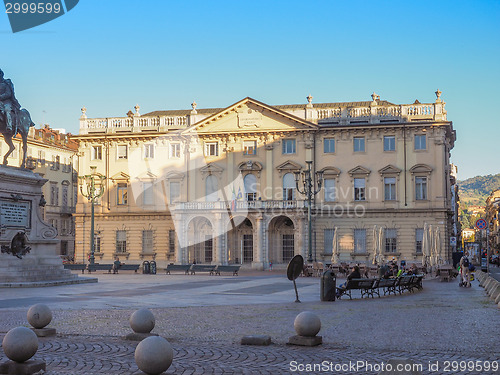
(288, 187)
(211, 188)
(250, 182)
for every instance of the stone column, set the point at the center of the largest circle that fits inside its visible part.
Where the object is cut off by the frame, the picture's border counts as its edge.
(218, 230)
(269, 188)
(182, 240)
(258, 250)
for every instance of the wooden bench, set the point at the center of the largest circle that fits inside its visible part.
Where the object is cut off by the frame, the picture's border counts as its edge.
(178, 267)
(387, 285)
(233, 269)
(99, 267)
(75, 267)
(202, 268)
(366, 286)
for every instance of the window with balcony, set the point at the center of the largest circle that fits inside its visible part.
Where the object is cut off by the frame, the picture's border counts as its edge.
(250, 183)
(175, 191)
(289, 146)
(211, 188)
(54, 194)
(289, 187)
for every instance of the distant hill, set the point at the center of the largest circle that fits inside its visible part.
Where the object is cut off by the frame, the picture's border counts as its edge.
(475, 190)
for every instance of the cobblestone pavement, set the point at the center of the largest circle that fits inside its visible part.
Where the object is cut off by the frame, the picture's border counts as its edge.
(441, 323)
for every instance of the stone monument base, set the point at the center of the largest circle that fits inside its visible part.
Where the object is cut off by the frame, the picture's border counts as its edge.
(24, 368)
(28, 245)
(305, 341)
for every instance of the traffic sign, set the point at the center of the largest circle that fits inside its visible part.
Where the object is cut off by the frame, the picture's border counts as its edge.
(481, 224)
(453, 241)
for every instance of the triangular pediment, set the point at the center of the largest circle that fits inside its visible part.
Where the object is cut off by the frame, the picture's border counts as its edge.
(330, 171)
(390, 169)
(250, 166)
(359, 170)
(289, 166)
(147, 176)
(174, 175)
(211, 168)
(421, 168)
(120, 176)
(250, 116)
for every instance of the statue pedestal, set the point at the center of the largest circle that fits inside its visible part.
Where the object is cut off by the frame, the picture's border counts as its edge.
(28, 254)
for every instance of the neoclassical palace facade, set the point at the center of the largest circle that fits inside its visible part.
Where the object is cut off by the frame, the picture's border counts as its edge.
(220, 185)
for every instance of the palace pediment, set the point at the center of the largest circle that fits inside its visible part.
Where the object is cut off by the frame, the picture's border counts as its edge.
(147, 176)
(359, 170)
(250, 116)
(289, 166)
(390, 169)
(421, 168)
(120, 176)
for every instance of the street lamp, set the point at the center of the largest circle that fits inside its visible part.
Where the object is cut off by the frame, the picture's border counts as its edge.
(311, 188)
(92, 187)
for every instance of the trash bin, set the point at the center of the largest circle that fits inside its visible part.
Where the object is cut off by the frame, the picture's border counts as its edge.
(145, 267)
(152, 267)
(328, 286)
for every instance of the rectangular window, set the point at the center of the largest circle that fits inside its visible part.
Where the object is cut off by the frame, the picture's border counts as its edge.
(175, 191)
(420, 142)
(65, 196)
(171, 241)
(330, 192)
(288, 194)
(149, 151)
(247, 248)
(41, 158)
(359, 189)
(147, 193)
(389, 143)
(211, 149)
(251, 196)
(391, 240)
(419, 237)
(147, 241)
(420, 188)
(121, 152)
(359, 144)
(288, 247)
(389, 188)
(54, 194)
(360, 240)
(121, 241)
(328, 240)
(249, 147)
(329, 145)
(175, 150)
(121, 197)
(288, 146)
(96, 152)
(97, 243)
(209, 249)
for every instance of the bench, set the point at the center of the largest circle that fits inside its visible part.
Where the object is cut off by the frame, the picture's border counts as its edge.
(127, 267)
(75, 267)
(178, 267)
(99, 267)
(202, 268)
(233, 269)
(387, 285)
(366, 286)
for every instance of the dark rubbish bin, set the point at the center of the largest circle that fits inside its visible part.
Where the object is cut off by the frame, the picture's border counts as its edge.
(328, 286)
(152, 267)
(145, 267)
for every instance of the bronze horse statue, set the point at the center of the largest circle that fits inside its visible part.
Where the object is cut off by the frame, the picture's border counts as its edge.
(23, 126)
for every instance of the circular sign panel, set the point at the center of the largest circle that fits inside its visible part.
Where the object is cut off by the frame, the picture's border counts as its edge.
(481, 224)
(295, 267)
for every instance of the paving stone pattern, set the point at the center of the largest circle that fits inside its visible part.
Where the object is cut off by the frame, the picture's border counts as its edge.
(441, 323)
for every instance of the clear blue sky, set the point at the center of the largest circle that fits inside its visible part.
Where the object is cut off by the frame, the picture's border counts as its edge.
(110, 55)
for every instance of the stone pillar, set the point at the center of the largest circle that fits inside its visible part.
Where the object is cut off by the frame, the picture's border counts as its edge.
(181, 233)
(258, 250)
(269, 188)
(218, 230)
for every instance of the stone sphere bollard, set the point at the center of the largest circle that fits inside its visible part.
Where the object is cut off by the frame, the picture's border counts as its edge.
(142, 321)
(20, 344)
(154, 355)
(39, 315)
(307, 324)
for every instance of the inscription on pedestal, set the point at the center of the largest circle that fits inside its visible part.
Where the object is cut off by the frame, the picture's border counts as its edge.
(14, 214)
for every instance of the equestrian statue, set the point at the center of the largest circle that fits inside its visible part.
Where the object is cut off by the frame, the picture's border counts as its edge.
(13, 119)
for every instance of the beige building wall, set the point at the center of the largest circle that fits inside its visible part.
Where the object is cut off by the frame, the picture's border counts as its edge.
(188, 154)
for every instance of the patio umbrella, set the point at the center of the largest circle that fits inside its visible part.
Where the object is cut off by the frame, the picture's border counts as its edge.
(439, 249)
(425, 246)
(335, 247)
(375, 244)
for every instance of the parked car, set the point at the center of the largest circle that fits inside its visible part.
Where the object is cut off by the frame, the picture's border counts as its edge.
(495, 259)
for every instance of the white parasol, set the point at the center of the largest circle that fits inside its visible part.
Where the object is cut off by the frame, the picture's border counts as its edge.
(335, 247)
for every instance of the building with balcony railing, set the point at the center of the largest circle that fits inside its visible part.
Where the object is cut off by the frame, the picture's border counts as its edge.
(218, 185)
(52, 154)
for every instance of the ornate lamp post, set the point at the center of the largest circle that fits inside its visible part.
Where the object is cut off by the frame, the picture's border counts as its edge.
(92, 188)
(311, 188)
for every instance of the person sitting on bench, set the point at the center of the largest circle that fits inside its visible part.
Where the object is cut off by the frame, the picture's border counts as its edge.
(355, 274)
(116, 265)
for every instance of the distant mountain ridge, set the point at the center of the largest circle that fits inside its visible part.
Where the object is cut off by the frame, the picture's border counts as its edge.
(475, 190)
